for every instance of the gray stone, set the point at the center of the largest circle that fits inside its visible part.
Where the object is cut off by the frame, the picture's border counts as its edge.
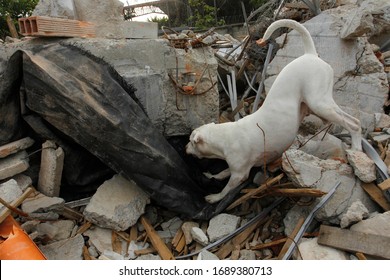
(15, 147)
(247, 255)
(311, 172)
(23, 181)
(43, 204)
(55, 8)
(206, 255)
(360, 83)
(222, 225)
(199, 236)
(69, 249)
(147, 69)
(9, 191)
(368, 19)
(324, 146)
(149, 257)
(101, 239)
(378, 225)
(57, 230)
(13, 164)
(172, 225)
(134, 246)
(355, 213)
(50, 173)
(186, 228)
(382, 120)
(364, 167)
(111, 255)
(117, 204)
(309, 249)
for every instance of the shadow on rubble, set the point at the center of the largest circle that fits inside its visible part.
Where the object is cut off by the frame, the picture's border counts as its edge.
(78, 100)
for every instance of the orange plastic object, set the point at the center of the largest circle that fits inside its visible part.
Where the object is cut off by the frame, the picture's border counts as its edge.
(17, 244)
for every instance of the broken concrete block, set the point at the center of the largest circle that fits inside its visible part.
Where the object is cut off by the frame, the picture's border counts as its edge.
(9, 192)
(134, 246)
(186, 228)
(324, 146)
(311, 172)
(366, 19)
(13, 164)
(378, 224)
(148, 70)
(149, 257)
(50, 173)
(382, 120)
(117, 204)
(69, 249)
(23, 181)
(199, 236)
(55, 8)
(364, 167)
(57, 230)
(101, 239)
(43, 204)
(309, 249)
(355, 213)
(172, 225)
(247, 255)
(206, 255)
(15, 147)
(222, 225)
(111, 255)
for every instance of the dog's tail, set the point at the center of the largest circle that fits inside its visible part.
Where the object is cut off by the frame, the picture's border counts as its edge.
(307, 40)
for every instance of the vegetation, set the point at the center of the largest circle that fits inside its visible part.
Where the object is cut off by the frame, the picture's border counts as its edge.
(204, 16)
(15, 9)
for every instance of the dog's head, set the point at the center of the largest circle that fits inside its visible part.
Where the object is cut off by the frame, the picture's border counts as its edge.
(198, 145)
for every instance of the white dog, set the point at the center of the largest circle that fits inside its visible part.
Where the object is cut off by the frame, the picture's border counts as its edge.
(264, 135)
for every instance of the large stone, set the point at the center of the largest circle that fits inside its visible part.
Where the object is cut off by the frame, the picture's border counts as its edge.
(9, 192)
(360, 83)
(50, 173)
(13, 164)
(117, 204)
(69, 249)
(356, 213)
(57, 230)
(309, 249)
(43, 204)
(222, 225)
(363, 166)
(101, 239)
(16, 146)
(378, 225)
(147, 64)
(311, 172)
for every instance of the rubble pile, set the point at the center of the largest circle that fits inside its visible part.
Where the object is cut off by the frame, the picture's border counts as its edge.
(119, 219)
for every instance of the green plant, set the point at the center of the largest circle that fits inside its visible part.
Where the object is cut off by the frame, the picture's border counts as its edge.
(161, 21)
(203, 15)
(15, 9)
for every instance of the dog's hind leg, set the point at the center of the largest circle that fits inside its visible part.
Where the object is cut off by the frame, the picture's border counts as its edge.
(220, 176)
(330, 111)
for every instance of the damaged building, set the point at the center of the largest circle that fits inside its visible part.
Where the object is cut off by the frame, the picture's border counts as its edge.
(95, 116)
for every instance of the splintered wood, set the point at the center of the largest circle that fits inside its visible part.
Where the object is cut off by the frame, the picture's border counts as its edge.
(156, 240)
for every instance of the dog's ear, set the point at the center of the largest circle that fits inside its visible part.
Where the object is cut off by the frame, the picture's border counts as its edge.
(198, 138)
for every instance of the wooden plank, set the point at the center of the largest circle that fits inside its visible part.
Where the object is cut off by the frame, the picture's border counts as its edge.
(11, 27)
(290, 238)
(5, 212)
(256, 191)
(385, 185)
(354, 241)
(377, 195)
(156, 241)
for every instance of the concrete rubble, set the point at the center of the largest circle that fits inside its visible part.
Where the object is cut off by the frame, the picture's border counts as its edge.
(116, 219)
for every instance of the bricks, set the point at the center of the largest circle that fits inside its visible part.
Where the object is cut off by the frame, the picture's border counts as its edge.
(55, 27)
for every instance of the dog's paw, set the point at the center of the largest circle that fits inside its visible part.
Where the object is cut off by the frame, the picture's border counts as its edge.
(213, 198)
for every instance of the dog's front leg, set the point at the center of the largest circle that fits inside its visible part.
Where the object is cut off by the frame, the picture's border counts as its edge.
(234, 181)
(220, 176)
